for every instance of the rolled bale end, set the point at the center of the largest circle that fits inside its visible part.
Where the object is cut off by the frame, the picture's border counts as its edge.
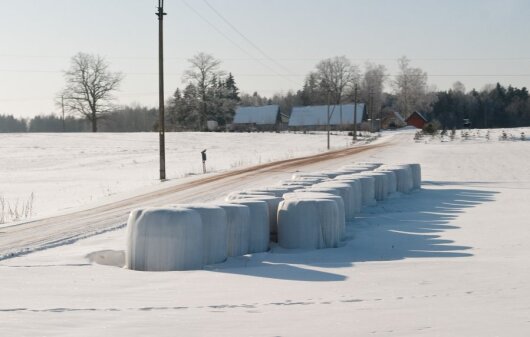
(238, 228)
(259, 224)
(341, 221)
(214, 232)
(299, 224)
(164, 239)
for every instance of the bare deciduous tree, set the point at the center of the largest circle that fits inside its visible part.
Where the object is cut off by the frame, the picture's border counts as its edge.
(372, 87)
(411, 88)
(203, 72)
(335, 77)
(89, 87)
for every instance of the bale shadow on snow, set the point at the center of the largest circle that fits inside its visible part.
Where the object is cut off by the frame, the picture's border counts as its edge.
(410, 226)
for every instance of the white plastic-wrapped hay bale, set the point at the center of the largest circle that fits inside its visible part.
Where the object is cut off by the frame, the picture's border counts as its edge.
(292, 188)
(392, 182)
(328, 234)
(299, 224)
(403, 177)
(357, 168)
(302, 175)
(275, 191)
(356, 185)
(259, 224)
(303, 182)
(237, 228)
(368, 189)
(416, 176)
(380, 184)
(244, 194)
(164, 239)
(372, 165)
(214, 231)
(346, 192)
(272, 203)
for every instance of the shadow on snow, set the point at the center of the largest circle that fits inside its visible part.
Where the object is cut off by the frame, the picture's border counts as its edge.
(410, 226)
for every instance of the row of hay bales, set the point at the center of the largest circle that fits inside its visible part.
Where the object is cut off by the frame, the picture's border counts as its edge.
(308, 211)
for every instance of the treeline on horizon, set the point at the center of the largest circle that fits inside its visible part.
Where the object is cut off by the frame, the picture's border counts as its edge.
(496, 106)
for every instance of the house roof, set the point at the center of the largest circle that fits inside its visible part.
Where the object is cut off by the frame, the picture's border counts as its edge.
(398, 116)
(260, 115)
(416, 113)
(317, 115)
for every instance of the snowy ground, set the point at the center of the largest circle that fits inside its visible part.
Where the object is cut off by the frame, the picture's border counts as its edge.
(41, 174)
(450, 260)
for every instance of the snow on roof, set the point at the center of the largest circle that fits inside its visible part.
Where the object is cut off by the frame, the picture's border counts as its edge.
(260, 115)
(317, 115)
(417, 113)
(398, 116)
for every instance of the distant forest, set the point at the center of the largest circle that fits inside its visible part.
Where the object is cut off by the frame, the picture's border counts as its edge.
(496, 106)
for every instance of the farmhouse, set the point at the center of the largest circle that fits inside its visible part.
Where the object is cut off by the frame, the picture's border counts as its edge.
(416, 119)
(316, 117)
(262, 118)
(392, 120)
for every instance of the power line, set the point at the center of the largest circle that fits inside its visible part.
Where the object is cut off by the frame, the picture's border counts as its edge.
(272, 75)
(244, 37)
(234, 43)
(523, 58)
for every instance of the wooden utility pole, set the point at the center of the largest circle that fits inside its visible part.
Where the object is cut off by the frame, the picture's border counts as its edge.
(371, 110)
(355, 112)
(161, 121)
(329, 117)
(62, 106)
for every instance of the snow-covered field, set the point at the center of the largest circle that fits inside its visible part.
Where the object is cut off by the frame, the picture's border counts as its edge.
(450, 260)
(41, 174)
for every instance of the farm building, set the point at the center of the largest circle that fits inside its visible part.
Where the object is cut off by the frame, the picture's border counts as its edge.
(392, 120)
(316, 117)
(262, 118)
(416, 119)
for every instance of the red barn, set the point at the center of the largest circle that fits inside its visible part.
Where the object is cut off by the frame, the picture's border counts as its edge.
(416, 119)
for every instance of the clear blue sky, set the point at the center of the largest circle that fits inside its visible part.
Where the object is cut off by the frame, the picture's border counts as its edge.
(474, 41)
